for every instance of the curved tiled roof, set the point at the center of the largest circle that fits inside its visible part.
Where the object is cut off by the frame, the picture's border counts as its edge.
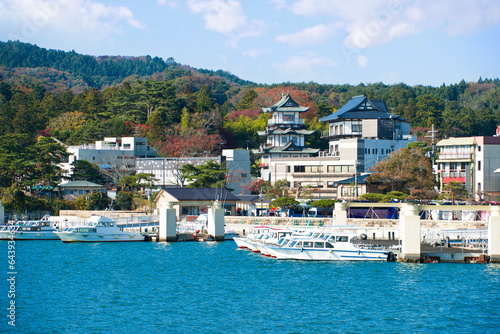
(359, 107)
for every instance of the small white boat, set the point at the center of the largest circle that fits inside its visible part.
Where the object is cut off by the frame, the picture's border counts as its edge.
(42, 229)
(336, 246)
(98, 229)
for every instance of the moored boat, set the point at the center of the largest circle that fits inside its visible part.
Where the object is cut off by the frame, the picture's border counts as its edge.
(98, 229)
(335, 246)
(42, 229)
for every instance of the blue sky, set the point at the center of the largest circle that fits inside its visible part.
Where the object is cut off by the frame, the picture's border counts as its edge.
(426, 42)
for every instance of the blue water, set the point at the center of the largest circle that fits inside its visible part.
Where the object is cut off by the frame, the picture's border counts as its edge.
(216, 288)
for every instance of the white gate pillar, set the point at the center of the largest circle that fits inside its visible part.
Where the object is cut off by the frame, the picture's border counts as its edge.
(340, 214)
(216, 222)
(409, 225)
(494, 235)
(167, 223)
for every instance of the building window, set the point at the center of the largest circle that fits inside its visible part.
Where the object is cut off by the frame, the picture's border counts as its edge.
(479, 148)
(244, 175)
(357, 128)
(479, 165)
(189, 210)
(341, 169)
(313, 169)
(350, 191)
(299, 169)
(288, 117)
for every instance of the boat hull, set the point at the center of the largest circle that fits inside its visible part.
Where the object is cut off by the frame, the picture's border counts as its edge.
(28, 236)
(79, 237)
(328, 255)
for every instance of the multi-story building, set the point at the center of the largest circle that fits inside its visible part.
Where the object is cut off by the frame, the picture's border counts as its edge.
(360, 134)
(167, 175)
(471, 161)
(285, 134)
(366, 132)
(120, 152)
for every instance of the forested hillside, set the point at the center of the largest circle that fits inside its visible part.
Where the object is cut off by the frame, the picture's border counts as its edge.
(182, 110)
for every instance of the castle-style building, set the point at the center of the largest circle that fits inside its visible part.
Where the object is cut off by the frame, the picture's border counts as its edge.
(285, 134)
(360, 134)
(365, 131)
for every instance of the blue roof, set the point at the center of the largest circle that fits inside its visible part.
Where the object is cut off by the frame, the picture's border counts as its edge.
(377, 109)
(360, 180)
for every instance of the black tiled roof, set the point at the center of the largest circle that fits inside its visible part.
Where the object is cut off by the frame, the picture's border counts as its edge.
(201, 194)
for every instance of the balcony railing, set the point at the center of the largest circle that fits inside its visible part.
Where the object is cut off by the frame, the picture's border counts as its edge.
(296, 121)
(455, 156)
(453, 174)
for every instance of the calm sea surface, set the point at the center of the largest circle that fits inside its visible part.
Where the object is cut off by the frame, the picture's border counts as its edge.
(216, 288)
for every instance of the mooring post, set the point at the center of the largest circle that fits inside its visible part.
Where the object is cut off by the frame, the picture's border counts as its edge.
(340, 214)
(216, 222)
(409, 225)
(167, 223)
(494, 235)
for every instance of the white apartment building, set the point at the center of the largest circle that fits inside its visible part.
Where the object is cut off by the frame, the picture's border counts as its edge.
(472, 161)
(111, 151)
(167, 175)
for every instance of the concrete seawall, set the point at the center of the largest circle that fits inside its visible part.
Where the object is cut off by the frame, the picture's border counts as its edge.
(381, 227)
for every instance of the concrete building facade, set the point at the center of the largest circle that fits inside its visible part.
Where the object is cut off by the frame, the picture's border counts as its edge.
(472, 161)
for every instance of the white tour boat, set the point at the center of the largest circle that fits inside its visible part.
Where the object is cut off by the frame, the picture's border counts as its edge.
(332, 246)
(98, 229)
(42, 229)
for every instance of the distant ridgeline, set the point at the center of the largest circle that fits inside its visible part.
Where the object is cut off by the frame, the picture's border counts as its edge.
(99, 71)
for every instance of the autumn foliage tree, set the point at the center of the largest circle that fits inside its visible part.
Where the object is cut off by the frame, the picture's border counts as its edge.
(407, 169)
(188, 142)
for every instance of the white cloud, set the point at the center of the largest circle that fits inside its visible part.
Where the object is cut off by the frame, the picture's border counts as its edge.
(170, 3)
(306, 61)
(307, 66)
(369, 23)
(278, 4)
(255, 53)
(362, 61)
(223, 16)
(227, 17)
(315, 35)
(25, 19)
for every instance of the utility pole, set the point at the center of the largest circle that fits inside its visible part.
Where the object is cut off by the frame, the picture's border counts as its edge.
(432, 132)
(356, 179)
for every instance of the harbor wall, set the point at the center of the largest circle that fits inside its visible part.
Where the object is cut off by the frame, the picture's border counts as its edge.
(365, 223)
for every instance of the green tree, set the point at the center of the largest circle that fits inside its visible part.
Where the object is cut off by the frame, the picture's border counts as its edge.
(205, 101)
(324, 205)
(209, 175)
(453, 191)
(46, 155)
(124, 200)
(84, 170)
(284, 203)
(246, 101)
